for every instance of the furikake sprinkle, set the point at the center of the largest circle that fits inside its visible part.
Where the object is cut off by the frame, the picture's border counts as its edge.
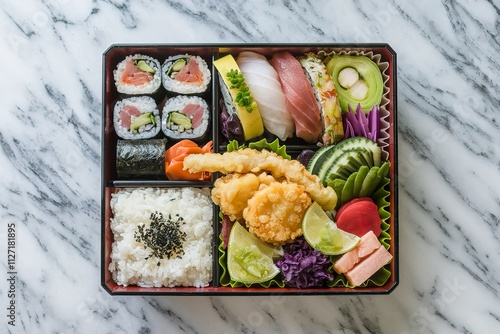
(163, 236)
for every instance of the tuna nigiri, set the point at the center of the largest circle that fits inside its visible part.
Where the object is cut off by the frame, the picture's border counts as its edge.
(263, 81)
(301, 101)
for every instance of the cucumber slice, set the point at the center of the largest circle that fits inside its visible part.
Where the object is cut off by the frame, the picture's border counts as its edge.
(367, 157)
(318, 158)
(331, 159)
(176, 66)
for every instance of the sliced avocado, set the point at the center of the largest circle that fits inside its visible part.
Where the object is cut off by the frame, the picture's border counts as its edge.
(177, 65)
(143, 66)
(180, 119)
(146, 118)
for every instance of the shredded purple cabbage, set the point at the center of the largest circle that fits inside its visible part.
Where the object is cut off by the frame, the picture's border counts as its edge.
(359, 124)
(304, 267)
(230, 124)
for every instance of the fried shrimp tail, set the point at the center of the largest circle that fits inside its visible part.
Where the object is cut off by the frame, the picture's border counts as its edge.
(253, 161)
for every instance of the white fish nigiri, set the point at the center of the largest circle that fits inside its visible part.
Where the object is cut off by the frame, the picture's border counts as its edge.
(264, 84)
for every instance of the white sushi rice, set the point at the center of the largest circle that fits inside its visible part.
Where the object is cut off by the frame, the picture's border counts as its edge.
(175, 86)
(144, 104)
(177, 104)
(132, 207)
(147, 88)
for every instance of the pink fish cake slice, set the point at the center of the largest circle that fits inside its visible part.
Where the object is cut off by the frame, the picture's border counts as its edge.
(367, 245)
(369, 266)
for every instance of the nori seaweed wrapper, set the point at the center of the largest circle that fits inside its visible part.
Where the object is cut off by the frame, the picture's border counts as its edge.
(142, 158)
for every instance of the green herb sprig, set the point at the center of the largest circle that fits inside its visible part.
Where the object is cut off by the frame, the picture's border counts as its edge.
(244, 96)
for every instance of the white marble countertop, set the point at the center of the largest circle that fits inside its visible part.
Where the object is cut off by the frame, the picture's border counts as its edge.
(449, 161)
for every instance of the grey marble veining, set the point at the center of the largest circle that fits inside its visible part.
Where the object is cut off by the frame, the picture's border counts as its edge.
(449, 157)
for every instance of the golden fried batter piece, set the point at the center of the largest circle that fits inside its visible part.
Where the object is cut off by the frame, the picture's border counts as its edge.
(232, 192)
(275, 211)
(253, 161)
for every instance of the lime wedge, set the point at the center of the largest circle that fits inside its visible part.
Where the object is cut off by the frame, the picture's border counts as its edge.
(323, 234)
(250, 260)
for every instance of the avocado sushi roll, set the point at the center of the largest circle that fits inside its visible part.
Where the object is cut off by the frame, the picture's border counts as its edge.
(136, 117)
(185, 74)
(185, 117)
(138, 75)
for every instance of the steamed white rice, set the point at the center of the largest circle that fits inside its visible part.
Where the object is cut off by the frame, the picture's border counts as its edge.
(132, 207)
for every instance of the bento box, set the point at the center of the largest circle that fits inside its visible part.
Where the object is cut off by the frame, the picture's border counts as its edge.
(249, 169)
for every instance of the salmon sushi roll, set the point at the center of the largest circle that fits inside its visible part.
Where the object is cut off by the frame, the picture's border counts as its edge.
(185, 117)
(185, 74)
(136, 117)
(138, 75)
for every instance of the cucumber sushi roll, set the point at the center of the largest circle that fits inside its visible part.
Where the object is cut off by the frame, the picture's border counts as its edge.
(136, 117)
(185, 117)
(138, 75)
(185, 74)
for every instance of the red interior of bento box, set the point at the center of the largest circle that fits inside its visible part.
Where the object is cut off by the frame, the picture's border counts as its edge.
(111, 184)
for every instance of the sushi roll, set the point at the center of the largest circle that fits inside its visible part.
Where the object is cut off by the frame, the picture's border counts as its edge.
(138, 75)
(136, 117)
(185, 74)
(143, 158)
(326, 94)
(185, 117)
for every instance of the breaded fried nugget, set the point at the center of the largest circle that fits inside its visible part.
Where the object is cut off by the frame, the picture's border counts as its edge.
(232, 192)
(253, 161)
(275, 211)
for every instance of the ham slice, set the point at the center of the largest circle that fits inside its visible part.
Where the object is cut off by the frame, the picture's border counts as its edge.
(367, 245)
(300, 99)
(369, 266)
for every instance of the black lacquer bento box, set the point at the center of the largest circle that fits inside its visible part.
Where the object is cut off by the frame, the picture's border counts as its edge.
(114, 181)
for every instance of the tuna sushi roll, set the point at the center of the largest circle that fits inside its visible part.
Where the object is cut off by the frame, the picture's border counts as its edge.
(143, 158)
(185, 74)
(138, 75)
(136, 117)
(185, 117)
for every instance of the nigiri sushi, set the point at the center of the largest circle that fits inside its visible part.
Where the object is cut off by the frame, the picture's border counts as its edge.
(264, 84)
(301, 101)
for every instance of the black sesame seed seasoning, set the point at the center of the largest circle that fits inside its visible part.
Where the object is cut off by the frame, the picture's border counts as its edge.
(163, 236)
